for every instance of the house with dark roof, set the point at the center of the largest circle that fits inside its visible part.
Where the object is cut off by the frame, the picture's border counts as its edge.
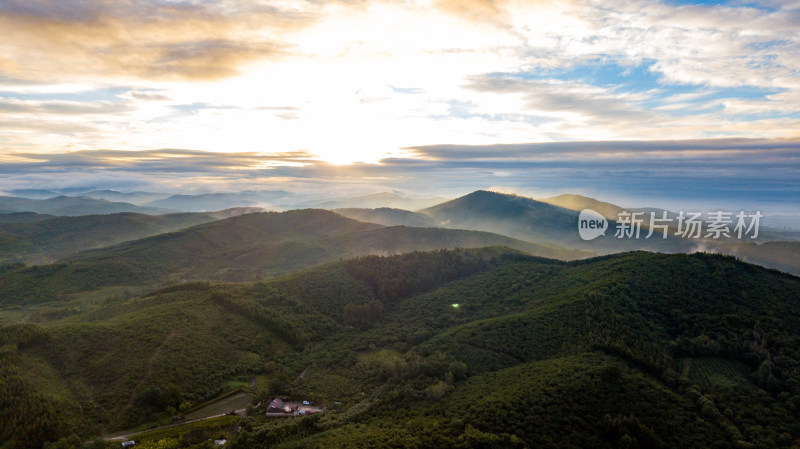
(276, 406)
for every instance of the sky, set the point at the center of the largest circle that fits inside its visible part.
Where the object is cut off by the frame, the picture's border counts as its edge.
(660, 102)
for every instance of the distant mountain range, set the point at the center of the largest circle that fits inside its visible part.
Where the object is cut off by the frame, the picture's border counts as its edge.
(73, 206)
(217, 201)
(242, 248)
(555, 221)
(138, 198)
(109, 195)
(389, 217)
(204, 202)
(550, 222)
(772, 249)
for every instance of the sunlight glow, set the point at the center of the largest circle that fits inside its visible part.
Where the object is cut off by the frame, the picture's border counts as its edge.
(356, 83)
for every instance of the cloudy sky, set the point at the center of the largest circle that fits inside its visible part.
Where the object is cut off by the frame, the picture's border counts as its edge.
(629, 100)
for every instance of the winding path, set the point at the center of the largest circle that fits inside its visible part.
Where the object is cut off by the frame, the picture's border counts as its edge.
(144, 377)
(128, 436)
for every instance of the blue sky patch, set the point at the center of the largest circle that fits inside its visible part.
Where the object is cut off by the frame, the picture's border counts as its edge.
(111, 94)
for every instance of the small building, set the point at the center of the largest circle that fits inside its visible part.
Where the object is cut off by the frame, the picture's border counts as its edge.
(129, 443)
(220, 442)
(276, 406)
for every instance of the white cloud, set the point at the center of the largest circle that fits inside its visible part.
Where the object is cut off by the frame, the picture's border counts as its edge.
(333, 77)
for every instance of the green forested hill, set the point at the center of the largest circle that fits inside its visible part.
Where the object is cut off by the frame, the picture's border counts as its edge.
(512, 215)
(388, 217)
(466, 348)
(46, 239)
(23, 217)
(243, 248)
(538, 221)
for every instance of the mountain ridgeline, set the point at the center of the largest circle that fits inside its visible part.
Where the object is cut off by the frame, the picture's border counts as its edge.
(451, 348)
(388, 217)
(242, 248)
(550, 222)
(40, 239)
(73, 206)
(538, 221)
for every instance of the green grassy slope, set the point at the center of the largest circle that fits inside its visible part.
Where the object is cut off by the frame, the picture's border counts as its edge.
(633, 350)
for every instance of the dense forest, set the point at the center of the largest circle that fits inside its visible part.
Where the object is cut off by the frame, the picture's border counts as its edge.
(242, 248)
(450, 348)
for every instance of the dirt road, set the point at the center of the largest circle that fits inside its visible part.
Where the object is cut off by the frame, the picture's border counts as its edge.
(129, 435)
